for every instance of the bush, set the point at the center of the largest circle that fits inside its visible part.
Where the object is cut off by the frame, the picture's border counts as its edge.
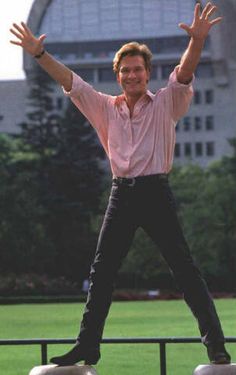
(37, 285)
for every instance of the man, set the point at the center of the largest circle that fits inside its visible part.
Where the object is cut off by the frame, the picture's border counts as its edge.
(137, 132)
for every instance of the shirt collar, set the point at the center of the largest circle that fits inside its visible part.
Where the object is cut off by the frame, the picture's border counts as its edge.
(150, 95)
(120, 98)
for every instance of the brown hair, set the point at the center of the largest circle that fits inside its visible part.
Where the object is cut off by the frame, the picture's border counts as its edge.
(132, 49)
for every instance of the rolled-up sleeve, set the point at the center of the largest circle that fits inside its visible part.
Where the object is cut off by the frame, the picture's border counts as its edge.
(90, 102)
(180, 95)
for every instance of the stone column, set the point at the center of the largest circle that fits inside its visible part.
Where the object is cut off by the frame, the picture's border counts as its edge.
(63, 370)
(215, 369)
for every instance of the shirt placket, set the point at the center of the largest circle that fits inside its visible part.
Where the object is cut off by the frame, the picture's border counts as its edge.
(132, 130)
(128, 131)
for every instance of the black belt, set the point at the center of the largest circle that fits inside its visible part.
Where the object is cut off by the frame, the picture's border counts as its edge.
(139, 179)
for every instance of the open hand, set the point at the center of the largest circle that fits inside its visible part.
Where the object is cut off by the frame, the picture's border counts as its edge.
(201, 24)
(26, 39)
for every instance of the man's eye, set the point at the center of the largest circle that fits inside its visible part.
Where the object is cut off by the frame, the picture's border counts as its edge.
(139, 69)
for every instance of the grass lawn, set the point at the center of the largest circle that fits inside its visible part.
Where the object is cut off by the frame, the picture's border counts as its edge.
(126, 319)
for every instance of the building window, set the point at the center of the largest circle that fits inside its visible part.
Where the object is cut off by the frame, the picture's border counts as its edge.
(166, 70)
(86, 73)
(106, 75)
(209, 96)
(153, 72)
(197, 123)
(177, 127)
(1, 117)
(187, 123)
(187, 149)
(210, 148)
(177, 150)
(204, 70)
(59, 103)
(198, 149)
(209, 122)
(197, 97)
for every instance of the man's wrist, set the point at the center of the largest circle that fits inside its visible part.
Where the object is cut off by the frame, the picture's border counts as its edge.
(198, 40)
(38, 56)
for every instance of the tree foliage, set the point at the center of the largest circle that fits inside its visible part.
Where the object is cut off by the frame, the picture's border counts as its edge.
(207, 208)
(22, 237)
(51, 190)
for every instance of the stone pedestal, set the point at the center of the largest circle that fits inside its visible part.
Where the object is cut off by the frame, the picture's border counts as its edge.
(63, 370)
(215, 369)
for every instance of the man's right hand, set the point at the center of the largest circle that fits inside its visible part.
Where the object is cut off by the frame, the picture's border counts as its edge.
(26, 39)
(34, 46)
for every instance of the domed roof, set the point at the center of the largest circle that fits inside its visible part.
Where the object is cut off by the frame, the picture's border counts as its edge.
(86, 20)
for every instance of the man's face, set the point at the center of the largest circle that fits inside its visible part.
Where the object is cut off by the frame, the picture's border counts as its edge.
(133, 76)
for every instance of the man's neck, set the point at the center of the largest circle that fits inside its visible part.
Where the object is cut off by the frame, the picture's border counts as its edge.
(131, 101)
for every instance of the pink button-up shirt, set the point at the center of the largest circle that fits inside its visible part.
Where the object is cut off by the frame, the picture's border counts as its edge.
(144, 143)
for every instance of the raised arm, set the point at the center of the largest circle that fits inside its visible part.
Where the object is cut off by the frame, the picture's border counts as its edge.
(198, 32)
(34, 46)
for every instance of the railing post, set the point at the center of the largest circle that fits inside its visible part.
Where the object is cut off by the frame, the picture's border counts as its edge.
(44, 357)
(163, 358)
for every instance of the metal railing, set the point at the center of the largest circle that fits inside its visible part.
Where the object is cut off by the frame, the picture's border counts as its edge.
(162, 341)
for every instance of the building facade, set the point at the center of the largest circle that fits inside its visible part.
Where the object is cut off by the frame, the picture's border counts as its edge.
(85, 34)
(12, 105)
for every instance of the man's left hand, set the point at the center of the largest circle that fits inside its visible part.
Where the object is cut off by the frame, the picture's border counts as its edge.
(201, 24)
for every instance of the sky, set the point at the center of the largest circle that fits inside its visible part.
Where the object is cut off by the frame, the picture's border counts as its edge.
(11, 55)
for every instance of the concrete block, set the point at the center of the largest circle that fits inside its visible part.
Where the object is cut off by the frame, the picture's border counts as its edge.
(63, 370)
(215, 369)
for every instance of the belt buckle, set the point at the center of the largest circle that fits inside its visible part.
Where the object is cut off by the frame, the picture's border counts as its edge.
(132, 182)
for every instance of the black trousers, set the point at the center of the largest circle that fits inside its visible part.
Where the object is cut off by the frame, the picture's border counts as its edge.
(148, 203)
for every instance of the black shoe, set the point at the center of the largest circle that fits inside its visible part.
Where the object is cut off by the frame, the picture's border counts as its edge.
(77, 354)
(218, 355)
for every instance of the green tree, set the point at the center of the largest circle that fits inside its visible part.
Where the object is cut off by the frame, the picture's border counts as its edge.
(207, 209)
(144, 266)
(220, 195)
(22, 235)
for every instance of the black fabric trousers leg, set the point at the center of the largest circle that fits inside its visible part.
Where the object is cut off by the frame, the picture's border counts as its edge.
(160, 221)
(114, 241)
